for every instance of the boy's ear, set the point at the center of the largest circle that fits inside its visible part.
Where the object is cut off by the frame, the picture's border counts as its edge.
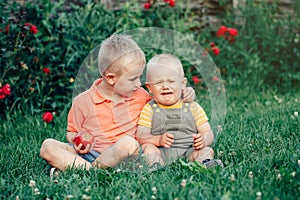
(184, 82)
(110, 78)
(149, 88)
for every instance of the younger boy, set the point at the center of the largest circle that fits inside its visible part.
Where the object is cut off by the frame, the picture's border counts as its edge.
(109, 110)
(168, 127)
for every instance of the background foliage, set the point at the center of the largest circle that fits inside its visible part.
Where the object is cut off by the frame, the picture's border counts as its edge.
(265, 53)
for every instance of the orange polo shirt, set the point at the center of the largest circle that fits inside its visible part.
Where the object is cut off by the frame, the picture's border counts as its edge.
(107, 122)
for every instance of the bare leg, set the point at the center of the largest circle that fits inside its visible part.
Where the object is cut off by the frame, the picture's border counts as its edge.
(152, 154)
(202, 154)
(123, 149)
(61, 155)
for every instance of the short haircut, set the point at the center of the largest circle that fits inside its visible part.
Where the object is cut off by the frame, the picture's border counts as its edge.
(166, 60)
(117, 51)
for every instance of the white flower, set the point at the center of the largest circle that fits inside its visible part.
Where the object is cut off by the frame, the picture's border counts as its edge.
(293, 174)
(296, 114)
(36, 191)
(154, 190)
(232, 178)
(278, 176)
(118, 170)
(258, 194)
(88, 188)
(86, 197)
(250, 174)
(69, 196)
(32, 183)
(183, 183)
(298, 162)
(117, 198)
(153, 197)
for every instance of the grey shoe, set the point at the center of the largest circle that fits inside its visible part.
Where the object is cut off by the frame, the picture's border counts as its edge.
(210, 163)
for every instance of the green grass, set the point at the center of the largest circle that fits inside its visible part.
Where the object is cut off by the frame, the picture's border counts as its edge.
(260, 135)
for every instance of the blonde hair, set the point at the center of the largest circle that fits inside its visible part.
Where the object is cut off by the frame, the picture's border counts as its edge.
(118, 51)
(166, 60)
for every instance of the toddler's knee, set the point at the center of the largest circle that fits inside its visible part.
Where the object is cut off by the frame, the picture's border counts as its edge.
(149, 148)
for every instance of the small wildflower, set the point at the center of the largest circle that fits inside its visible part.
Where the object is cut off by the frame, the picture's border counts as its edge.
(215, 78)
(278, 177)
(298, 162)
(32, 183)
(153, 197)
(17, 197)
(212, 44)
(220, 128)
(293, 174)
(216, 50)
(250, 174)
(117, 198)
(183, 183)
(196, 80)
(118, 170)
(172, 3)
(221, 31)
(296, 114)
(71, 80)
(147, 6)
(258, 195)
(88, 189)
(47, 117)
(232, 178)
(233, 32)
(154, 190)
(32, 28)
(36, 191)
(46, 70)
(24, 66)
(69, 196)
(86, 197)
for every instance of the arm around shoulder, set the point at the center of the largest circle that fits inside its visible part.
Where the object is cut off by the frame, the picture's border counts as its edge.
(144, 136)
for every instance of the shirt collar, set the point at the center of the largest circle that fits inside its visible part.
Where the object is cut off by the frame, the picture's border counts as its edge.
(97, 96)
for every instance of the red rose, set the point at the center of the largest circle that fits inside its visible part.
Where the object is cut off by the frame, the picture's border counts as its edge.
(32, 28)
(233, 32)
(147, 6)
(221, 32)
(196, 80)
(47, 117)
(7, 28)
(5, 90)
(215, 78)
(46, 70)
(216, 50)
(172, 3)
(2, 96)
(212, 44)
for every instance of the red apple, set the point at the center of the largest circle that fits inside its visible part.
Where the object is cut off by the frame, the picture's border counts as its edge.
(84, 138)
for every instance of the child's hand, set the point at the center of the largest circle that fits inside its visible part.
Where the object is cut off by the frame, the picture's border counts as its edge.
(78, 149)
(166, 140)
(189, 95)
(198, 141)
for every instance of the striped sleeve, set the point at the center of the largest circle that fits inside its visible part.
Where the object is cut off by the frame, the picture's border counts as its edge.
(198, 113)
(146, 116)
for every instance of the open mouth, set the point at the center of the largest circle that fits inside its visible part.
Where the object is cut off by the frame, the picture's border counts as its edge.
(166, 93)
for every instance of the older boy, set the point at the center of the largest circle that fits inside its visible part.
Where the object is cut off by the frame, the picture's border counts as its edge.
(109, 110)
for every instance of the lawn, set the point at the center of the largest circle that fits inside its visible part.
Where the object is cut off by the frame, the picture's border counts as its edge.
(259, 145)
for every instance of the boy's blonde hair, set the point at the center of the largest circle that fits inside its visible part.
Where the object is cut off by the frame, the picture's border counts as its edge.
(118, 51)
(166, 60)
